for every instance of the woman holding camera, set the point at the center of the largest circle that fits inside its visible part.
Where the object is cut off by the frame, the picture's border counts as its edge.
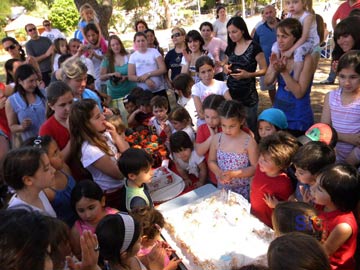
(114, 69)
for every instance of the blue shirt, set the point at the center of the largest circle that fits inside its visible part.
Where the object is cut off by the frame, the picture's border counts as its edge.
(265, 36)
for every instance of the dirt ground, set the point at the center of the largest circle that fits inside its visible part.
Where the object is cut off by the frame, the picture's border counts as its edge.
(318, 90)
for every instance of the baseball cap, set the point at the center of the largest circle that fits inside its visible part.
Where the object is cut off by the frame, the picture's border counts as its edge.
(319, 132)
(275, 117)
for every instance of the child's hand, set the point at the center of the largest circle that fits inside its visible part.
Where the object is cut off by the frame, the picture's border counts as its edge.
(156, 257)
(270, 200)
(173, 264)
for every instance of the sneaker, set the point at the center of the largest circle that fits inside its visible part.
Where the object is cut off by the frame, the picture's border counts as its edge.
(327, 82)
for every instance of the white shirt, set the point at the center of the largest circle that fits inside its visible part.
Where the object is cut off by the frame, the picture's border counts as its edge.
(192, 167)
(53, 34)
(202, 91)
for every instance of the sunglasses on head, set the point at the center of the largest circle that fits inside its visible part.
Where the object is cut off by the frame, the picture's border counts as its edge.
(31, 29)
(11, 47)
(175, 35)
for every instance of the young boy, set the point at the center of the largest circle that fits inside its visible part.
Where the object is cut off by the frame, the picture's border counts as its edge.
(159, 123)
(270, 184)
(308, 161)
(139, 118)
(135, 164)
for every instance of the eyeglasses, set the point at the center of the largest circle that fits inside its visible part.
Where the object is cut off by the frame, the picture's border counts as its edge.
(46, 25)
(37, 142)
(175, 35)
(31, 29)
(11, 47)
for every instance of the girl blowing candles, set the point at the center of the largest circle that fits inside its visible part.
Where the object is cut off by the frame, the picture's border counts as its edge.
(233, 152)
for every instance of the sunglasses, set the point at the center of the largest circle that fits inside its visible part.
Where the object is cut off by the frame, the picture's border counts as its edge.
(31, 29)
(11, 47)
(46, 25)
(175, 35)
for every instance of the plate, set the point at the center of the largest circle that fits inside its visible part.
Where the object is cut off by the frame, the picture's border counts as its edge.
(170, 191)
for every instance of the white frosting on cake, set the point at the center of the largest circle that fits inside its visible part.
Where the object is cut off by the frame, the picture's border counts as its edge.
(217, 232)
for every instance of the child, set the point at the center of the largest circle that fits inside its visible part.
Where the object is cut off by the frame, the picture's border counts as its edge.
(60, 98)
(297, 251)
(95, 143)
(233, 152)
(25, 109)
(28, 171)
(136, 164)
(152, 222)
(296, 216)
(182, 85)
(119, 239)
(88, 15)
(61, 48)
(207, 131)
(180, 120)
(270, 121)
(308, 161)
(139, 119)
(117, 122)
(342, 107)
(207, 85)
(188, 162)
(337, 193)
(270, 183)
(309, 40)
(159, 123)
(88, 201)
(59, 193)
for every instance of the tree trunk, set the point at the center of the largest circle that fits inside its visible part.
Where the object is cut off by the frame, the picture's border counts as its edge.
(103, 11)
(167, 14)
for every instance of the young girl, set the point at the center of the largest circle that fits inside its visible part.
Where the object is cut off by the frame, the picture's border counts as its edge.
(342, 107)
(88, 15)
(309, 40)
(180, 120)
(60, 98)
(59, 193)
(28, 171)
(207, 85)
(194, 49)
(207, 131)
(25, 109)
(270, 121)
(336, 191)
(243, 57)
(88, 201)
(61, 48)
(96, 144)
(190, 166)
(233, 152)
(152, 222)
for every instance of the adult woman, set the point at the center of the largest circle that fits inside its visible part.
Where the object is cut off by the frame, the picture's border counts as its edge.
(194, 49)
(243, 56)
(147, 66)
(141, 26)
(292, 97)
(174, 56)
(215, 46)
(152, 41)
(25, 109)
(220, 26)
(114, 69)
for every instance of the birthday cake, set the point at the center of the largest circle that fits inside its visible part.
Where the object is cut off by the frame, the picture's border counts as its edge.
(162, 177)
(217, 233)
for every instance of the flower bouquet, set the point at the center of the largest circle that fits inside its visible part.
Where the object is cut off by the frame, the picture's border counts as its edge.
(150, 142)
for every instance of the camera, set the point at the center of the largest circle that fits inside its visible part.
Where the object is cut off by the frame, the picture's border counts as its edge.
(115, 79)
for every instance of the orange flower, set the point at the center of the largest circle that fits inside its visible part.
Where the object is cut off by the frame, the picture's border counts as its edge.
(153, 138)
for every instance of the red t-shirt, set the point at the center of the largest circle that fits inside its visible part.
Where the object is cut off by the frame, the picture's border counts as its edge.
(202, 134)
(344, 9)
(343, 258)
(279, 186)
(53, 128)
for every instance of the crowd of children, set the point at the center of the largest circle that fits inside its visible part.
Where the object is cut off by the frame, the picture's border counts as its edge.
(76, 183)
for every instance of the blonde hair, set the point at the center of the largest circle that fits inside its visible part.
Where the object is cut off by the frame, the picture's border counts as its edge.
(118, 123)
(87, 6)
(73, 68)
(180, 29)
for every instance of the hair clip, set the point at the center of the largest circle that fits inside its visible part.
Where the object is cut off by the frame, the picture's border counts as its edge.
(37, 142)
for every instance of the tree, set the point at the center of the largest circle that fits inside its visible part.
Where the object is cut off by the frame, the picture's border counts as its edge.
(103, 11)
(5, 11)
(64, 15)
(27, 4)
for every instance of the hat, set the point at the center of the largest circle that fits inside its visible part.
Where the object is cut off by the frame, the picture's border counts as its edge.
(275, 117)
(319, 132)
